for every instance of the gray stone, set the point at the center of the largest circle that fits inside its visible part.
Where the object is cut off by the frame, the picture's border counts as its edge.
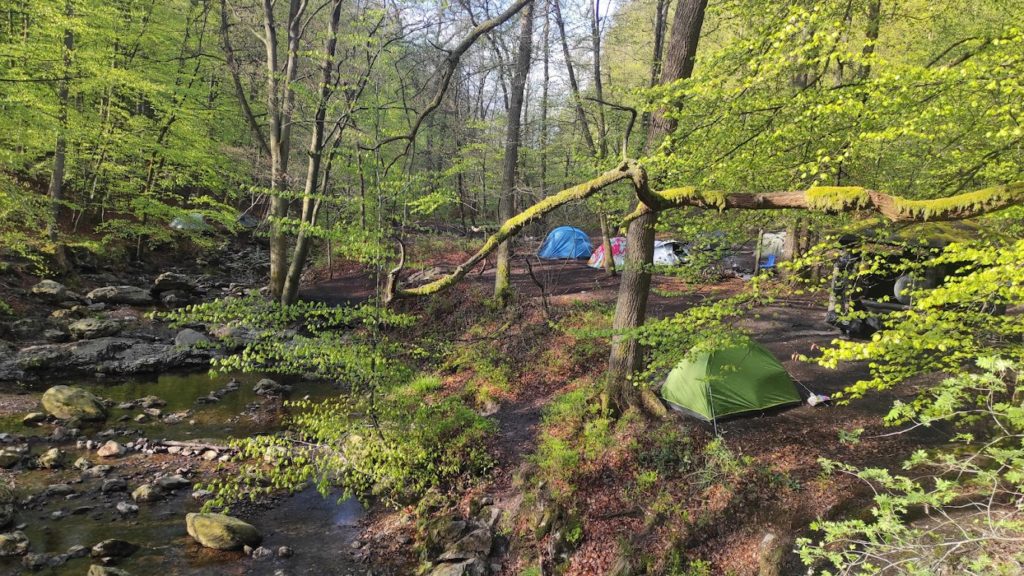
(476, 544)
(268, 387)
(127, 508)
(173, 482)
(147, 493)
(114, 548)
(13, 543)
(89, 328)
(97, 570)
(151, 402)
(67, 402)
(9, 457)
(77, 551)
(131, 295)
(188, 338)
(285, 552)
(114, 485)
(35, 561)
(474, 567)
(172, 281)
(261, 553)
(52, 458)
(52, 292)
(221, 532)
(33, 419)
(173, 298)
(111, 449)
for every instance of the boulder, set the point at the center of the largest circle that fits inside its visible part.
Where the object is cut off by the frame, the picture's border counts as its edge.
(151, 402)
(171, 281)
(52, 458)
(188, 338)
(267, 387)
(52, 292)
(131, 295)
(111, 449)
(114, 548)
(173, 298)
(13, 544)
(173, 482)
(67, 402)
(127, 508)
(147, 493)
(115, 484)
(33, 419)
(37, 561)
(474, 567)
(476, 544)
(221, 532)
(89, 328)
(97, 570)
(9, 457)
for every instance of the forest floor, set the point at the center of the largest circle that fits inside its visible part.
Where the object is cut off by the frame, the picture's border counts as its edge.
(787, 443)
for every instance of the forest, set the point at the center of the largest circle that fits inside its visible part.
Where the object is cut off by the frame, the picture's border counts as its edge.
(511, 287)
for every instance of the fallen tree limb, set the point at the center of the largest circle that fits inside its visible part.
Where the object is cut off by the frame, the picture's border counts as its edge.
(510, 228)
(827, 199)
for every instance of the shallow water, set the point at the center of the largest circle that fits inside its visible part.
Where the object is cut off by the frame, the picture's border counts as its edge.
(215, 421)
(319, 530)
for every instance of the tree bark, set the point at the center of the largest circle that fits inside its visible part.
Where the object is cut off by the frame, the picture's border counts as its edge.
(595, 38)
(631, 305)
(574, 86)
(56, 187)
(502, 276)
(310, 206)
(660, 19)
(606, 245)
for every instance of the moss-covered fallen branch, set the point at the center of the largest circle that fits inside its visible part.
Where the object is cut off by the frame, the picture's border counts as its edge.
(829, 199)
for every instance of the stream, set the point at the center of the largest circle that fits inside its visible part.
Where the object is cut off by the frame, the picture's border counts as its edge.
(319, 530)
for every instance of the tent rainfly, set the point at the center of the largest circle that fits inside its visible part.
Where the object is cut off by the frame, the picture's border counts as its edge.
(618, 253)
(565, 243)
(729, 381)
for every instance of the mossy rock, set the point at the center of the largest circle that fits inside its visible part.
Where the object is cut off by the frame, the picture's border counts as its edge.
(221, 531)
(67, 402)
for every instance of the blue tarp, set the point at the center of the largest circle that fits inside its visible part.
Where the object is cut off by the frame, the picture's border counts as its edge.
(563, 243)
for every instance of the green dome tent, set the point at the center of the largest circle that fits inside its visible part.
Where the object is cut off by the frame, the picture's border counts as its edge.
(744, 378)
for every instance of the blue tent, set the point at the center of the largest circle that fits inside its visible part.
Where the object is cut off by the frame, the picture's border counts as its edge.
(565, 243)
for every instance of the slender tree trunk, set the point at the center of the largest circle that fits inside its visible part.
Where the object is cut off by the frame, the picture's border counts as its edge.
(502, 276)
(595, 37)
(631, 305)
(310, 205)
(544, 100)
(574, 86)
(56, 187)
(606, 243)
(279, 104)
(660, 19)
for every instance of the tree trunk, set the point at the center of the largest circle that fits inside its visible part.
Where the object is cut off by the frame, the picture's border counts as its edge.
(56, 187)
(279, 103)
(606, 244)
(660, 19)
(502, 276)
(595, 38)
(574, 86)
(631, 305)
(310, 206)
